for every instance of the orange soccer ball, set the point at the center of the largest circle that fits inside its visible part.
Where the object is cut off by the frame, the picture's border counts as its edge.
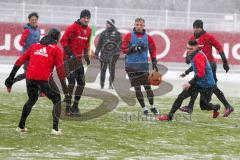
(155, 78)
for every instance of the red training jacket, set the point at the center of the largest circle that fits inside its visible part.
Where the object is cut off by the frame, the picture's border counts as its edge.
(77, 37)
(200, 63)
(208, 41)
(24, 37)
(151, 44)
(42, 60)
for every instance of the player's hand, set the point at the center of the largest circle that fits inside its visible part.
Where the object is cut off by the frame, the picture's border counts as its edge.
(154, 67)
(182, 75)
(226, 66)
(141, 47)
(9, 83)
(186, 86)
(138, 48)
(87, 59)
(95, 56)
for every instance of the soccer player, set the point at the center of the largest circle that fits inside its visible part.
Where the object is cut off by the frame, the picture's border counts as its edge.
(136, 46)
(109, 45)
(42, 58)
(202, 82)
(76, 42)
(30, 35)
(206, 41)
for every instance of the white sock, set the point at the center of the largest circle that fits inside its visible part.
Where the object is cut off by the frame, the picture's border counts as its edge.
(145, 108)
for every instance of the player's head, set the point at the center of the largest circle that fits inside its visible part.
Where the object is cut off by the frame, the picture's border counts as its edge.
(85, 17)
(33, 19)
(110, 23)
(192, 46)
(139, 24)
(51, 38)
(197, 26)
(54, 34)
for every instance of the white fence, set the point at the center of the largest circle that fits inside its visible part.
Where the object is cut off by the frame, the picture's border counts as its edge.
(155, 19)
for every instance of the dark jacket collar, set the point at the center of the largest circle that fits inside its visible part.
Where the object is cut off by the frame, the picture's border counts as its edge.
(134, 30)
(81, 24)
(197, 35)
(28, 25)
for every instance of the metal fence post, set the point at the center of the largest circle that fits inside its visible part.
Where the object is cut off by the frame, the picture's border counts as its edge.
(23, 11)
(166, 18)
(235, 22)
(188, 13)
(95, 15)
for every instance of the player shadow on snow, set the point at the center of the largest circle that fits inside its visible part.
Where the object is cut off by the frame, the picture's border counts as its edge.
(110, 101)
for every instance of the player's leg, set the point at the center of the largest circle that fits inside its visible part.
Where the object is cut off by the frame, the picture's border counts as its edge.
(71, 85)
(189, 107)
(112, 70)
(205, 98)
(219, 94)
(56, 100)
(176, 105)
(80, 78)
(103, 73)
(150, 97)
(32, 91)
(140, 99)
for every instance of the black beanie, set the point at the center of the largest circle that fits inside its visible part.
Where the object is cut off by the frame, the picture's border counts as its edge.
(51, 38)
(111, 22)
(54, 34)
(85, 13)
(198, 23)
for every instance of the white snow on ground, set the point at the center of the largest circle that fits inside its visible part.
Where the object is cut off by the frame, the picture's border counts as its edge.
(228, 82)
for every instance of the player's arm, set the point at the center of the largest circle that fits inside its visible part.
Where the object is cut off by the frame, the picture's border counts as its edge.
(20, 61)
(219, 48)
(190, 69)
(99, 45)
(24, 37)
(119, 40)
(126, 44)
(153, 52)
(66, 38)
(59, 63)
(200, 63)
(86, 49)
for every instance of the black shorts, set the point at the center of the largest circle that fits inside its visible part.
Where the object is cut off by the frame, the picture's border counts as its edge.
(138, 78)
(34, 86)
(77, 76)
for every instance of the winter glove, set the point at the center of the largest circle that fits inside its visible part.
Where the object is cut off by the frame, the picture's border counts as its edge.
(154, 64)
(188, 58)
(86, 56)
(225, 62)
(141, 47)
(67, 97)
(138, 48)
(9, 80)
(69, 52)
(226, 66)
(96, 55)
(182, 75)
(190, 69)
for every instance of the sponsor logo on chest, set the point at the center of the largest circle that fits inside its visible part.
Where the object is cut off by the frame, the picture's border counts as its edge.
(83, 36)
(41, 52)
